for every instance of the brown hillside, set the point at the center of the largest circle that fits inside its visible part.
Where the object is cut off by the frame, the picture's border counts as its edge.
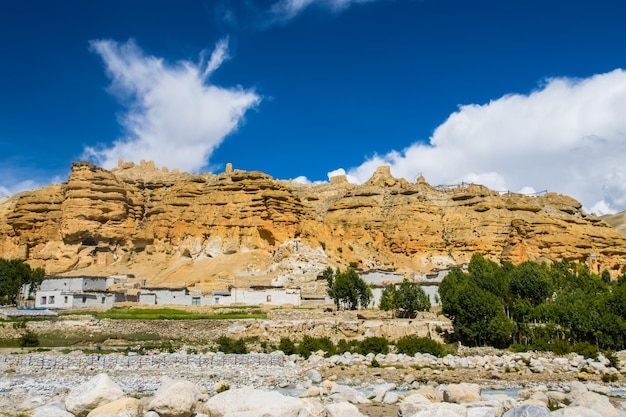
(245, 228)
(617, 220)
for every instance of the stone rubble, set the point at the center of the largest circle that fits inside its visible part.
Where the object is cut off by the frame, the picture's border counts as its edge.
(216, 384)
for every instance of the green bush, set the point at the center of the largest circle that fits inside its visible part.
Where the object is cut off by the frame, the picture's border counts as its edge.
(586, 349)
(609, 378)
(228, 345)
(29, 339)
(412, 344)
(373, 345)
(344, 346)
(287, 346)
(310, 344)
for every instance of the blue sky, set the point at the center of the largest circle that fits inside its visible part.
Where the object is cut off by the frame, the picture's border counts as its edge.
(517, 95)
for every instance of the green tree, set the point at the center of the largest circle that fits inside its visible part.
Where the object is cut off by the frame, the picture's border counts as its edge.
(405, 300)
(532, 281)
(13, 275)
(347, 289)
(387, 298)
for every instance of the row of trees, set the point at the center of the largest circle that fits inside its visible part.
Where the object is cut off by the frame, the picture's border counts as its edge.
(534, 304)
(14, 274)
(349, 291)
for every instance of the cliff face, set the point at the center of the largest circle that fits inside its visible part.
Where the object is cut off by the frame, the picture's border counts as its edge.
(245, 228)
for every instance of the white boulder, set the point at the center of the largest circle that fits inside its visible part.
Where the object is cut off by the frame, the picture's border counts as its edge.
(412, 404)
(250, 401)
(596, 402)
(341, 393)
(51, 410)
(98, 391)
(528, 410)
(343, 409)
(175, 398)
(575, 412)
(440, 410)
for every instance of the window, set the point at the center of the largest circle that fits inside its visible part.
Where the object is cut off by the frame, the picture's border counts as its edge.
(66, 299)
(269, 298)
(84, 300)
(43, 300)
(217, 300)
(195, 301)
(51, 299)
(103, 299)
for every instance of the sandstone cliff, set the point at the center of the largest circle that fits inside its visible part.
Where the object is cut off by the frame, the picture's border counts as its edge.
(245, 228)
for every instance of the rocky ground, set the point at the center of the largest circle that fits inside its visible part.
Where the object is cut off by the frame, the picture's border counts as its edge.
(32, 380)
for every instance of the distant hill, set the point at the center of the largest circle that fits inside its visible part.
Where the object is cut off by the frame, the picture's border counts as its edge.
(617, 220)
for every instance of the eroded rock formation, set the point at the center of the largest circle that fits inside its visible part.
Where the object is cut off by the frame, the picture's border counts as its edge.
(245, 228)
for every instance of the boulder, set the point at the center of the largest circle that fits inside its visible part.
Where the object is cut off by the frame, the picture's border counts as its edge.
(98, 391)
(577, 386)
(343, 409)
(175, 398)
(314, 376)
(491, 408)
(461, 393)
(594, 401)
(51, 410)
(311, 392)
(391, 397)
(131, 406)
(528, 410)
(341, 393)
(379, 391)
(313, 407)
(431, 393)
(575, 412)
(440, 410)
(250, 401)
(412, 404)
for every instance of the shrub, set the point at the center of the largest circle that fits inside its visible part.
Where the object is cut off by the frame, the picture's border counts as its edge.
(609, 378)
(287, 346)
(222, 388)
(343, 346)
(29, 339)
(586, 349)
(373, 345)
(412, 344)
(228, 345)
(310, 344)
(613, 359)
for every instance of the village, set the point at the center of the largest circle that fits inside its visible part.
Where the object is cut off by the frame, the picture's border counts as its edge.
(100, 292)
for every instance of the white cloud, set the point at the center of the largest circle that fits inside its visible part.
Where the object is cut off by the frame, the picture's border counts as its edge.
(285, 10)
(174, 116)
(301, 179)
(569, 136)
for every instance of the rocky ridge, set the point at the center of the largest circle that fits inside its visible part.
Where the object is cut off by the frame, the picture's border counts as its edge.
(246, 228)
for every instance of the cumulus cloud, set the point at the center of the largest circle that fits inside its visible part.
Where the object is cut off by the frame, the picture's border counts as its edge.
(285, 10)
(568, 136)
(174, 115)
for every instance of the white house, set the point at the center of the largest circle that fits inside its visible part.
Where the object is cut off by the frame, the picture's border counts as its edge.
(266, 295)
(76, 292)
(252, 296)
(181, 295)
